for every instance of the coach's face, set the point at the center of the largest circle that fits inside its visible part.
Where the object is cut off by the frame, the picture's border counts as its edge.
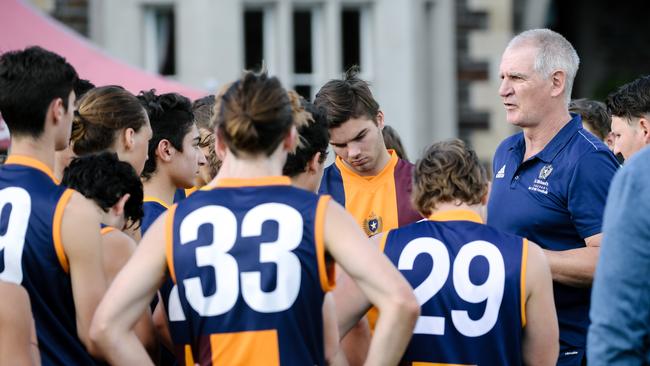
(524, 92)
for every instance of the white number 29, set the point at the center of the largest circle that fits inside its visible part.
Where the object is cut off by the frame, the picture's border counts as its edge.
(491, 290)
(12, 240)
(225, 267)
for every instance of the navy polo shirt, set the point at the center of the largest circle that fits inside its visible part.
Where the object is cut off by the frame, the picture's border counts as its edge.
(556, 199)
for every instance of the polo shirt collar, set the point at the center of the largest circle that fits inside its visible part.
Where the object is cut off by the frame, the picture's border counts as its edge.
(559, 141)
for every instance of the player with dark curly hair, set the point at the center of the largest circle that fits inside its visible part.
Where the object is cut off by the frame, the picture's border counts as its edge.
(115, 187)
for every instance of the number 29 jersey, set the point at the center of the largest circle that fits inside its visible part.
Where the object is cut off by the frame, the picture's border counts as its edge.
(470, 282)
(248, 261)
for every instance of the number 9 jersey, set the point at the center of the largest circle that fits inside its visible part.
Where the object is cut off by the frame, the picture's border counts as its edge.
(248, 261)
(470, 282)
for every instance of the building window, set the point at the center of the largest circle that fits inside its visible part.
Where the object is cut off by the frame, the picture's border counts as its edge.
(302, 42)
(160, 40)
(259, 45)
(356, 39)
(307, 50)
(253, 39)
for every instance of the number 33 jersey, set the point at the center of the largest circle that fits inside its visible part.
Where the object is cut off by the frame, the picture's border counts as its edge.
(470, 282)
(248, 261)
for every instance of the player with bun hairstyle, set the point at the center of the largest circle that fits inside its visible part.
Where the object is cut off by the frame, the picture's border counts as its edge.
(110, 118)
(258, 245)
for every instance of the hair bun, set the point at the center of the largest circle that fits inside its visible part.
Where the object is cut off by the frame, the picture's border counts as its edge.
(78, 127)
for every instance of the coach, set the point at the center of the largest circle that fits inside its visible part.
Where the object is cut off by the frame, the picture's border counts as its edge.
(550, 180)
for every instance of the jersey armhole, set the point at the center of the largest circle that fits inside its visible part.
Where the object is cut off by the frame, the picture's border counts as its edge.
(56, 229)
(522, 290)
(169, 241)
(325, 272)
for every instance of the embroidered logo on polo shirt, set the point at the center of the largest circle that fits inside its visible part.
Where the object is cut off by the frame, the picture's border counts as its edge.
(545, 172)
(540, 184)
(501, 173)
(373, 224)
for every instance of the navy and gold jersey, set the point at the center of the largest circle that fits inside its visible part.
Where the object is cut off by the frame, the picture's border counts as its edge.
(248, 259)
(470, 282)
(31, 254)
(152, 208)
(378, 203)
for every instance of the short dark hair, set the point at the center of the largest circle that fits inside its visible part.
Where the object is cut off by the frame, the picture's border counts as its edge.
(105, 179)
(448, 171)
(347, 98)
(594, 114)
(631, 100)
(171, 119)
(313, 138)
(82, 86)
(30, 80)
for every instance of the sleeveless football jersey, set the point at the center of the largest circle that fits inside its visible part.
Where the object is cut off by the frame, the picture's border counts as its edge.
(470, 282)
(152, 208)
(31, 254)
(248, 259)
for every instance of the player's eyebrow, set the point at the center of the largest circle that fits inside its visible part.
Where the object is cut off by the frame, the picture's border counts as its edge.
(358, 137)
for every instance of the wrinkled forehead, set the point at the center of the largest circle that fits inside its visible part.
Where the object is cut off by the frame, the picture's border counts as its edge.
(520, 57)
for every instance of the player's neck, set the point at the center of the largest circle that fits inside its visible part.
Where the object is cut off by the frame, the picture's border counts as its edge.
(161, 187)
(303, 181)
(251, 166)
(479, 209)
(38, 149)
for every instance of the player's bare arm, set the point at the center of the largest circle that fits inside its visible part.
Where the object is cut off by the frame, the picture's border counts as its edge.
(334, 356)
(118, 249)
(82, 245)
(126, 300)
(18, 345)
(541, 334)
(378, 279)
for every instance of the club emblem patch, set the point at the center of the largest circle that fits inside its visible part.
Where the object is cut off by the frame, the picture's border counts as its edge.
(372, 225)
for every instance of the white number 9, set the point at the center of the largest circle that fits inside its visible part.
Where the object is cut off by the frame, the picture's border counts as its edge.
(12, 240)
(491, 290)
